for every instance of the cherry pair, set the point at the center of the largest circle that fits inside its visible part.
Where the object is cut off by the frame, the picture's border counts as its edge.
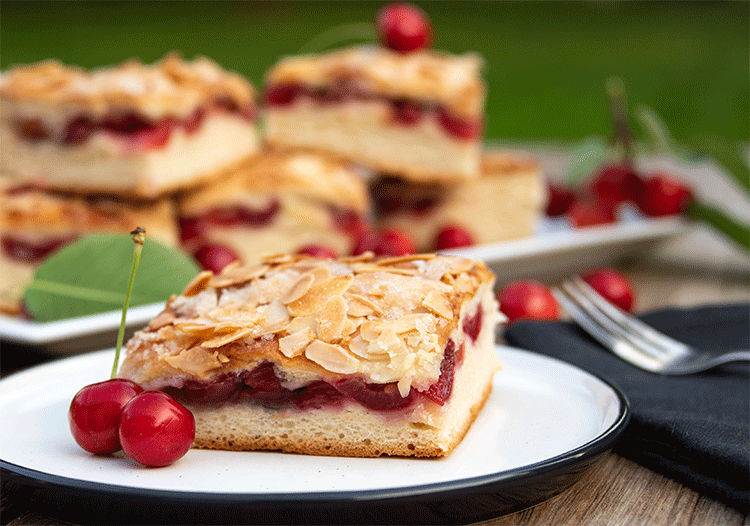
(149, 426)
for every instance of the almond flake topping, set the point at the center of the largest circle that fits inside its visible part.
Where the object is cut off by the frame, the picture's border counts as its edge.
(331, 357)
(317, 296)
(294, 344)
(437, 303)
(298, 289)
(331, 319)
(162, 320)
(194, 361)
(198, 283)
(223, 339)
(237, 275)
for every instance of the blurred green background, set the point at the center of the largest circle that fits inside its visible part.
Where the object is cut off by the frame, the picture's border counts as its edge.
(546, 62)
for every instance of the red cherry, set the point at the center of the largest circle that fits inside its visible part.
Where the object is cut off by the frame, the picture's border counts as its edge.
(466, 129)
(155, 429)
(559, 199)
(590, 213)
(615, 184)
(32, 130)
(317, 251)
(613, 286)
(366, 242)
(665, 195)
(403, 27)
(215, 257)
(407, 112)
(156, 136)
(94, 414)
(283, 94)
(528, 299)
(395, 243)
(78, 130)
(453, 236)
(194, 121)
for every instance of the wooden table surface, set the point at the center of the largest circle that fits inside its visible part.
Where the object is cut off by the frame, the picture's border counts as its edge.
(616, 491)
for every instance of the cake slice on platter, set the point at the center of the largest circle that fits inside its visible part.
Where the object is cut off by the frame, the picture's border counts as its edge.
(505, 203)
(35, 223)
(419, 114)
(277, 202)
(135, 130)
(360, 356)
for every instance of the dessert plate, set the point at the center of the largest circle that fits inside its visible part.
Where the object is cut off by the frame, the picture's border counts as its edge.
(545, 423)
(569, 251)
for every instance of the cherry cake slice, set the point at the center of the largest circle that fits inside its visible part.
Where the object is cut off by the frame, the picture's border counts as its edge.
(293, 201)
(35, 223)
(134, 129)
(419, 114)
(356, 356)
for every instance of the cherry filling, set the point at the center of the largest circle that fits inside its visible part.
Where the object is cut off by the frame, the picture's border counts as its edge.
(263, 386)
(391, 195)
(472, 325)
(139, 129)
(32, 251)
(404, 111)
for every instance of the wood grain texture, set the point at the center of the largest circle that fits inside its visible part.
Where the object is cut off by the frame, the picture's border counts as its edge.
(619, 492)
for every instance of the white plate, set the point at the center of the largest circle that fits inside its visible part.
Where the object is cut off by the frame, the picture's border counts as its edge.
(555, 251)
(544, 423)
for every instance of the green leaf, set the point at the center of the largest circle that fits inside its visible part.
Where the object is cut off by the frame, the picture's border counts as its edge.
(92, 274)
(585, 157)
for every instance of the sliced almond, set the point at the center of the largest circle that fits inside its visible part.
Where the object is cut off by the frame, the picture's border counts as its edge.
(195, 361)
(360, 268)
(316, 297)
(294, 344)
(223, 339)
(437, 303)
(332, 357)
(162, 320)
(198, 283)
(320, 274)
(402, 259)
(237, 276)
(331, 319)
(298, 289)
(361, 306)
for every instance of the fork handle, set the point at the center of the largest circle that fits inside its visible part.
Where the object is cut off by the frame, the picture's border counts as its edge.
(735, 356)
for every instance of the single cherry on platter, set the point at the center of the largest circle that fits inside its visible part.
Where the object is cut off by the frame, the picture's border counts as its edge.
(664, 195)
(156, 430)
(453, 236)
(613, 286)
(94, 414)
(403, 27)
(317, 251)
(528, 299)
(215, 257)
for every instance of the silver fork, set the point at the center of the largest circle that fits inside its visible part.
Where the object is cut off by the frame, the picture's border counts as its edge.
(631, 339)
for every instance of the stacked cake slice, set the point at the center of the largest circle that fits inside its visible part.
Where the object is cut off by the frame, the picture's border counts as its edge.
(135, 130)
(417, 114)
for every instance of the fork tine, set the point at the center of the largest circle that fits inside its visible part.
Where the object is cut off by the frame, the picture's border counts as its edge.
(631, 324)
(626, 349)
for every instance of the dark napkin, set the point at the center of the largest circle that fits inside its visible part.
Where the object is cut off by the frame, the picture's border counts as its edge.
(694, 429)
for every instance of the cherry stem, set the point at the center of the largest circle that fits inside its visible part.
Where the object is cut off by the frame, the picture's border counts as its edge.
(621, 133)
(139, 236)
